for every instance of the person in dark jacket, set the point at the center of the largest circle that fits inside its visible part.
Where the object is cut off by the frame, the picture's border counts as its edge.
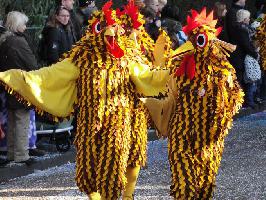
(150, 26)
(236, 58)
(261, 7)
(245, 47)
(171, 20)
(230, 19)
(75, 25)
(57, 35)
(220, 11)
(153, 27)
(84, 11)
(3, 119)
(15, 53)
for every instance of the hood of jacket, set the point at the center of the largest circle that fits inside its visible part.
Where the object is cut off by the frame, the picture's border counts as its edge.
(4, 34)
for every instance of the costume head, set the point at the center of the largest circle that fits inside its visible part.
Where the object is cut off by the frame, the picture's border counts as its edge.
(202, 34)
(132, 21)
(130, 17)
(103, 32)
(260, 37)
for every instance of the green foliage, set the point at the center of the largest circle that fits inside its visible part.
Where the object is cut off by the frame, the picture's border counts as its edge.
(36, 10)
(117, 3)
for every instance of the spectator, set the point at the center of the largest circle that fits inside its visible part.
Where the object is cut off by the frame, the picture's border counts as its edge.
(149, 14)
(1, 25)
(161, 5)
(230, 19)
(75, 25)
(15, 53)
(2, 28)
(3, 119)
(261, 7)
(220, 11)
(56, 36)
(33, 151)
(86, 7)
(3, 110)
(153, 27)
(156, 5)
(233, 37)
(139, 3)
(150, 27)
(171, 20)
(244, 47)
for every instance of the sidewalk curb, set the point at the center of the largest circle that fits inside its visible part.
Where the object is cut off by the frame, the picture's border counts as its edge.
(17, 170)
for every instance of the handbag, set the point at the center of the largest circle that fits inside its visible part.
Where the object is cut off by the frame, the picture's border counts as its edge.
(252, 69)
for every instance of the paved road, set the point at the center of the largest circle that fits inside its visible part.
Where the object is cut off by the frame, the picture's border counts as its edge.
(242, 175)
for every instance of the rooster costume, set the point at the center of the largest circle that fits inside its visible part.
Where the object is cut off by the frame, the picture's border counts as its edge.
(260, 37)
(203, 97)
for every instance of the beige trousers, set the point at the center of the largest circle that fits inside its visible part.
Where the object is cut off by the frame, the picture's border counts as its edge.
(17, 135)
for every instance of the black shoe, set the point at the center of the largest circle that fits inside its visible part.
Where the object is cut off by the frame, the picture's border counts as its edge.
(253, 106)
(4, 162)
(29, 162)
(259, 100)
(36, 152)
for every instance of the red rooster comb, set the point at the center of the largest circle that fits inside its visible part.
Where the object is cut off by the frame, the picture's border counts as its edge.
(132, 11)
(199, 19)
(108, 12)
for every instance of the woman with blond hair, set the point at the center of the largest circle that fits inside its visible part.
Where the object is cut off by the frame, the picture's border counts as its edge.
(15, 53)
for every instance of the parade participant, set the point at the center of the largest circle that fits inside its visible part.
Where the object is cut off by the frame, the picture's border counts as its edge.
(260, 37)
(137, 42)
(204, 95)
(97, 78)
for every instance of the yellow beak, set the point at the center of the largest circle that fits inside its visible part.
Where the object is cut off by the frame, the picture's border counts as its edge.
(188, 46)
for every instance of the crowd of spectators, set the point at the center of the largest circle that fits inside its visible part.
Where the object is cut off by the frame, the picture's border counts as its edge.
(241, 33)
(62, 29)
(65, 27)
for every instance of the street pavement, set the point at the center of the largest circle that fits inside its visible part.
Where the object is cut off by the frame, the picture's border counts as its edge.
(242, 175)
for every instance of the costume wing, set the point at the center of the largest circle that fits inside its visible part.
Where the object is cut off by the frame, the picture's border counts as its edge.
(148, 82)
(162, 109)
(50, 90)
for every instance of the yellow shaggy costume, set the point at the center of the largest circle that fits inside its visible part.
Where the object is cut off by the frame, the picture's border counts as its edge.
(260, 37)
(203, 97)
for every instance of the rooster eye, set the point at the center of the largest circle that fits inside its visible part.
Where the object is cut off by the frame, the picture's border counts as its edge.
(96, 27)
(202, 40)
